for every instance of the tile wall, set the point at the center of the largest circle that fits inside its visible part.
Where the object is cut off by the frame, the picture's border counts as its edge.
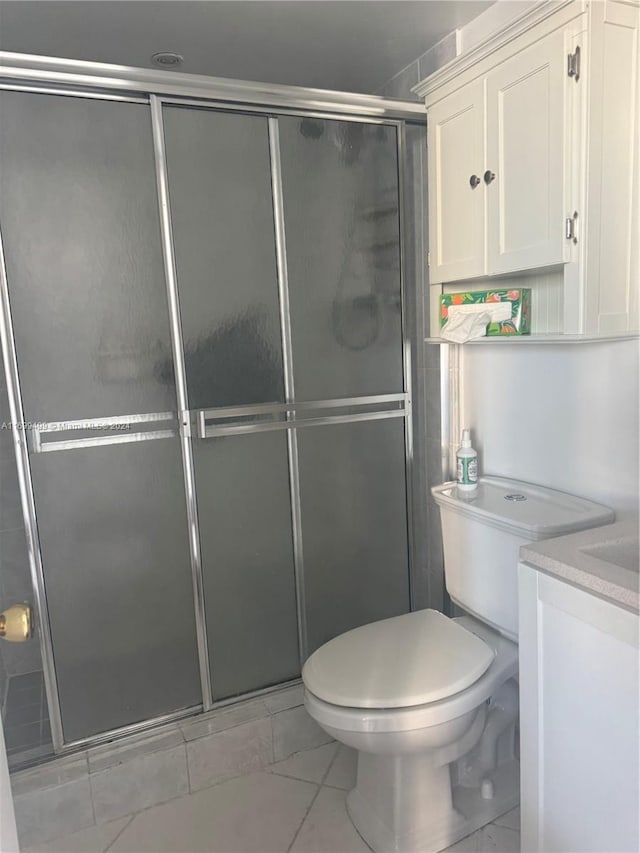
(401, 84)
(429, 370)
(27, 732)
(15, 580)
(111, 781)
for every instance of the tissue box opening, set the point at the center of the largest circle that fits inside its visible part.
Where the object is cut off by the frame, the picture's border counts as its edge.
(519, 323)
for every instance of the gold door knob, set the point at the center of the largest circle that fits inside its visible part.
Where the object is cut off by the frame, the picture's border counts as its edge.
(16, 623)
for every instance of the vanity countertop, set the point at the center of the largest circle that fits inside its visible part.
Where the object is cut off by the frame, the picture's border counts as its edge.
(602, 560)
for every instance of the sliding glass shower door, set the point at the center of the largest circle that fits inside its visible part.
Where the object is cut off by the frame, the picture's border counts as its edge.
(80, 227)
(303, 535)
(342, 221)
(223, 235)
(203, 314)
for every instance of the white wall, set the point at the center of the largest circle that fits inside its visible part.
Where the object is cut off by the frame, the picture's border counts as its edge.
(564, 416)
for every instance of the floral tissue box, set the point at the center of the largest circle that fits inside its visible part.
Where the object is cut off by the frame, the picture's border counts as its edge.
(518, 324)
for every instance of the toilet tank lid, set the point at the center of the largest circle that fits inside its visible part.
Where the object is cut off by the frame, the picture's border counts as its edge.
(401, 662)
(527, 510)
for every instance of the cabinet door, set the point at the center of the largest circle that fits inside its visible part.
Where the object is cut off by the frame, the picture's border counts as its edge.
(456, 216)
(613, 200)
(579, 719)
(525, 151)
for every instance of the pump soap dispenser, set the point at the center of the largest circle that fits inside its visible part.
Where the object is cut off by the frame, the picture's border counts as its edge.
(467, 459)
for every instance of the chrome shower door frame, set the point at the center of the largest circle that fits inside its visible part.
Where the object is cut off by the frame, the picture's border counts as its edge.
(181, 392)
(27, 499)
(289, 392)
(92, 80)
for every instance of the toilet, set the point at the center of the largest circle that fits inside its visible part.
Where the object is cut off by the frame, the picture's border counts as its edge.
(431, 702)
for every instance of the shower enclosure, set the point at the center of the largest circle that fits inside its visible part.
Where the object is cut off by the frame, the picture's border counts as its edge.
(208, 308)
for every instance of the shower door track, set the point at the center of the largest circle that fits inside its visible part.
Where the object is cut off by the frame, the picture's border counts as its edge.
(38, 77)
(78, 75)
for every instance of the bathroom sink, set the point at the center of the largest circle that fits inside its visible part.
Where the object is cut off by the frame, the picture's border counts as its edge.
(624, 552)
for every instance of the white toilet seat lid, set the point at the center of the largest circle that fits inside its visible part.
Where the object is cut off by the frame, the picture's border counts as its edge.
(400, 662)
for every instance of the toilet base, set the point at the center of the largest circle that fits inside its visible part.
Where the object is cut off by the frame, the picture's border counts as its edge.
(426, 815)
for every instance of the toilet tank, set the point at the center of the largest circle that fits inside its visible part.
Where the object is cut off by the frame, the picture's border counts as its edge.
(482, 532)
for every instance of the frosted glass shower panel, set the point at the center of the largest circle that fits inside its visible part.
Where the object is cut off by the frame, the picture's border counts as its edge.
(340, 186)
(249, 582)
(221, 208)
(354, 518)
(80, 226)
(219, 173)
(113, 534)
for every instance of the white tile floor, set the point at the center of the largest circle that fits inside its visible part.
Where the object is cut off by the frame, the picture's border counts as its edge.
(296, 805)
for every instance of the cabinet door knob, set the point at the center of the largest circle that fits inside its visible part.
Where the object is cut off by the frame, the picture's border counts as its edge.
(474, 180)
(489, 176)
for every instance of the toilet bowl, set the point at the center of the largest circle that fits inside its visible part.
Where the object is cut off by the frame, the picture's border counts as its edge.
(410, 722)
(429, 702)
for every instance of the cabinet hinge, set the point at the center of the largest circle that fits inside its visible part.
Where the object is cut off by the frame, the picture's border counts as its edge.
(428, 259)
(571, 227)
(573, 64)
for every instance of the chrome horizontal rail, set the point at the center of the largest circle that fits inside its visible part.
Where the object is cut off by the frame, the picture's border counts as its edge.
(305, 405)
(130, 730)
(269, 111)
(213, 431)
(101, 441)
(98, 425)
(284, 414)
(74, 92)
(99, 75)
(112, 420)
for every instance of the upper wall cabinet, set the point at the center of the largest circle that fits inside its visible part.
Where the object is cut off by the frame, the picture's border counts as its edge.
(525, 175)
(455, 142)
(496, 168)
(611, 247)
(533, 165)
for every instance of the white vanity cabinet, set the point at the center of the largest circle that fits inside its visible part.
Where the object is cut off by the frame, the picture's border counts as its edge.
(578, 719)
(533, 149)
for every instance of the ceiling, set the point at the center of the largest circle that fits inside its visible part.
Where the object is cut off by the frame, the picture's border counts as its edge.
(339, 44)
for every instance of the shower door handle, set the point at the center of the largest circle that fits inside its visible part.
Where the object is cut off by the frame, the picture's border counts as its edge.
(121, 429)
(258, 418)
(267, 417)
